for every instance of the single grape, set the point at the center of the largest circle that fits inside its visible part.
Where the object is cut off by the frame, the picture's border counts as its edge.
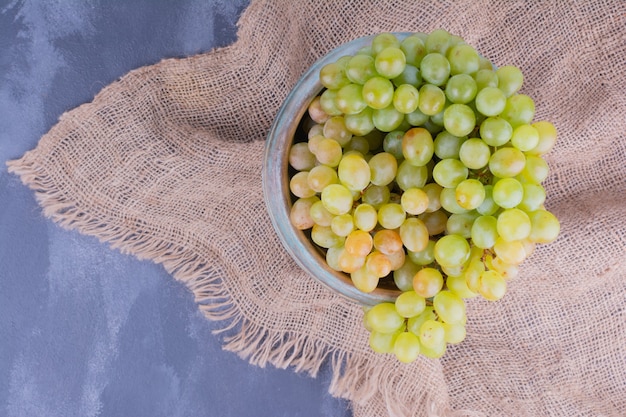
(452, 250)
(378, 92)
(359, 243)
(299, 214)
(349, 263)
(545, 227)
(431, 100)
(392, 143)
(316, 112)
(378, 263)
(384, 40)
(320, 215)
(358, 144)
(433, 191)
(470, 194)
(510, 79)
(383, 168)
(484, 232)
(490, 101)
(332, 256)
(384, 318)
(439, 40)
(507, 162)
(519, 110)
(513, 224)
(323, 236)
(449, 203)
(435, 221)
(387, 241)
(485, 78)
(446, 145)
(403, 276)
(435, 69)
(432, 334)
(450, 172)
(414, 201)
(332, 76)
(416, 118)
(525, 137)
(299, 186)
(360, 68)
(507, 192)
(474, 153)
(387, 119)
(463, 59)
(414, 50)
(414, 234)
(411, 176)
(406, 98)
(449, 307)
(390, 62)
(427, 282)
(492, 285)
(382, 342)
(364, 280)
(342, 224)
(535, 170)
(454, 333)
(320, 177)
(391, 215)
(354, 172)
(300, 157)
(411, 75)
(417, 146)
(349, 99)
(423, 257)
(495, 131)
(335, 128)
(365, 217)
(337, 199)
(488, 206)
(461, 224)
(461, 88)
(406, 347)
(511, 252)
(547, 137)
(410, 304)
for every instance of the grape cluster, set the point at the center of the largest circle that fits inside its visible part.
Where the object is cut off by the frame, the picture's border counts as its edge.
(422, 166)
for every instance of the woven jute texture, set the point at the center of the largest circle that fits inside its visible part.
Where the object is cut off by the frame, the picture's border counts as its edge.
(166, 164)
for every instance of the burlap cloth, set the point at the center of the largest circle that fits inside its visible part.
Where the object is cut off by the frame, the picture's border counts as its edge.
(166, 164)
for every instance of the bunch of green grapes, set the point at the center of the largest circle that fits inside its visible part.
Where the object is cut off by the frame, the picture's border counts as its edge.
(422, 166)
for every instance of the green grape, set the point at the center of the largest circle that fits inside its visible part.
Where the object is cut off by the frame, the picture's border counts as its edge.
(513, 224)
(391, 215)
(519, 110)
(427, 282)
(458, 285)
(406, 98)
(411, 176)
(360, 68)
(411, 75)
(525, 137)
(299, 186)
(460, 224)
(315, 111)
(314, 142)
(382, 342)
(454, 332)
(472, 274)
(332, 76)
(507, 192)
(354, 172)
(387, 119)
(510, 79)
(506, 270)
(449, 172)
(492, 285)
(433, 191)
(392, 143)
(384, 318)
(423, 257)
(495, 131)
(439, 40)
(335, 128)
(342, 225)
(432, 99)
(390, 62)
(358, 144)
(376, 195)
(447, 146)
(547, 138)
(364, 280)
(403, 276)
(434, 352)
(545, 227)
(507, 162)
(490, 101)
(452, 250)
(417, 146)
(534, 197)
(474, 153)
(511, 252)
(323, 236)
(328, 152)
(375, 139)
(449, 307)
(488, 206)
(413, 233)
(316, 129)
(378, 92)
(409, 304)
(448, 201)
(383, 168)
(337, 199)
(349, 99)
(485, 78)
(535, 170)
(300, 157)
(416, 118)
(484, 232)
(384, 40)
(365, 217)
(320, 215)
(463, 59)
(299, 215)
(414, 50)
(327, 103)
(432, 334)
(414, 324)
(461, 88)
(332, 257)
(414, 201)
(320, 177)
(470, 194)
(435, 222)
(435, 69)
(406, 347)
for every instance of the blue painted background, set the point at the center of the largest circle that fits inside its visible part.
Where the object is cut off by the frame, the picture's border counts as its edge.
(85, 330)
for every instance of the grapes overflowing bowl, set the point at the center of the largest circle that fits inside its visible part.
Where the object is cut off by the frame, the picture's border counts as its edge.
(405, 171)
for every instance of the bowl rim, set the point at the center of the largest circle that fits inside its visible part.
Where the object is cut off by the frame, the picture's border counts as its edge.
(278, 141)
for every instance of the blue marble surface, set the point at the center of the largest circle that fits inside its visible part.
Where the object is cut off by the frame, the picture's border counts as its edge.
(85, 330)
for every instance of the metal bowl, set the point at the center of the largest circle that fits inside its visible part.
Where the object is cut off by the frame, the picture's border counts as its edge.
(285, 131)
